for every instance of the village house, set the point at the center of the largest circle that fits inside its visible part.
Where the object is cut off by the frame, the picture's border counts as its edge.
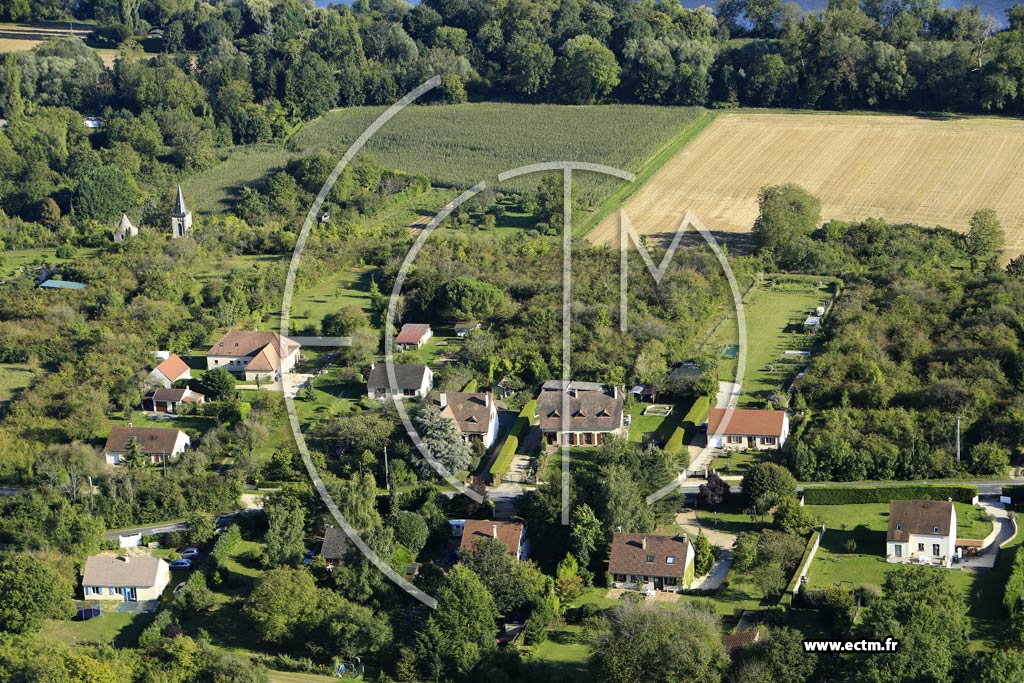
(742, 429)
(414, 381)
(257, 356)
(124, 579)
(165, 400)
(922, 531)
(412, 336)
(158, 445)
(512, 535)
(580, 414)
(465, 327)
(171, 369)
(334, 546)
(474, 415)
(645, 561)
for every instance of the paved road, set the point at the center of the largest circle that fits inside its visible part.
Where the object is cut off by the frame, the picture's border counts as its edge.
(164, 528)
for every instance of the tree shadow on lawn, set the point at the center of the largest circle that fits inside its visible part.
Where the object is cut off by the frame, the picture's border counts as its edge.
(868, 541)
(564, 670)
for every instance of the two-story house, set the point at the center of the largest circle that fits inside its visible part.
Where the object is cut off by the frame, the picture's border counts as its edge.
(921, 531)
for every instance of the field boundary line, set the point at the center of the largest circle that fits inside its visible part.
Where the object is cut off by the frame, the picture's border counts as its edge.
(648, 168)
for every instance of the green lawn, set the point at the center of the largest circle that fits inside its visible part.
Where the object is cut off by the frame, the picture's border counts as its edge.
(12, 260)
(866, 525)
(443, 342)
(294, 677)
(659, 427)
(774, 325)
(309, 306)
(117, 628)
(563, 656)
(738, 462)
(14, 377)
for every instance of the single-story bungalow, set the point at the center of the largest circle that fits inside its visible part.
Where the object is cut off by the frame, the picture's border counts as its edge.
(414, 381)
(157, 444)
(412, 336)
(741, 429)
(335, 545)
(168, 400)
(124, 579)
(465, 327)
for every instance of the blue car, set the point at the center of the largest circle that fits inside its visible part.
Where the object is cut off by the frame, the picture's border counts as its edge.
(181, 564)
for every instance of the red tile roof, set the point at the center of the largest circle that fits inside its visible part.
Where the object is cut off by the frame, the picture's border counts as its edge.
(508, 533)
(630, 554)
(412, 333)
(173, 368)
(747, 422)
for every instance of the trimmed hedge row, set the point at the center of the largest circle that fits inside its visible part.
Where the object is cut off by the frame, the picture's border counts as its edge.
(1015, 583)
(851, 495)
(1015, 494)
(691, 422)
(508, 451)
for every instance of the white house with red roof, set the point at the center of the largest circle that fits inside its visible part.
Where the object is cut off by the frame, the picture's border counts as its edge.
(257, 356)
(742, 429)
(412, 336)
(170, 370)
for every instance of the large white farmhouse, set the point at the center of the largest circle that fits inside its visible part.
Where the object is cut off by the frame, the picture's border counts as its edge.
(921, 531)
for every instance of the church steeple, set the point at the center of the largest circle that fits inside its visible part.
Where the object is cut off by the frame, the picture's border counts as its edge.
(181, 219)
(179, 203)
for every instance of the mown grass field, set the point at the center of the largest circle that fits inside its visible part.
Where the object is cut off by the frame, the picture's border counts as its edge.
(214, 190)
(774, 325)
(901, 168)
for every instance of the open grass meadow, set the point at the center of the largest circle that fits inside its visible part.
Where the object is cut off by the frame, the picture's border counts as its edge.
(14, 377)
(775, 318)
(915, 169)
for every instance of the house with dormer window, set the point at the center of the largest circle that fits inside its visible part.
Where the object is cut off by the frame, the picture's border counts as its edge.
(579, 413)
(645, 561)
(921, 531)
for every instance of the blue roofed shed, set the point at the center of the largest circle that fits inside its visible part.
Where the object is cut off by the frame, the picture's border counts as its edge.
(62, 284)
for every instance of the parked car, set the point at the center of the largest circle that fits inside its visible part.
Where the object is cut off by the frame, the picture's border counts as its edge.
(178, 588)
(190, 553)
(308, 557)
(181, 564)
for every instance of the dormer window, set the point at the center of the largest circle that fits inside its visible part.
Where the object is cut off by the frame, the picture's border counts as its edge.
(935, 529)
(899, 527)
(650, 558)
(670, 560)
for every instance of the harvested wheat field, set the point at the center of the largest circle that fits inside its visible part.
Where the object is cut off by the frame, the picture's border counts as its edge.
(900, 168)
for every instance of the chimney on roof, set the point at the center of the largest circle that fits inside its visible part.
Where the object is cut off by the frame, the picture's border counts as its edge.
(615, 392)
(643, 543)
(123, 558)
(443, 399)
(494, 530)
(487, 400)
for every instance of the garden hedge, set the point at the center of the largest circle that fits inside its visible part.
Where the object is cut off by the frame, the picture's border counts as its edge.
(508, 451)
(850, 495)
(689, 425)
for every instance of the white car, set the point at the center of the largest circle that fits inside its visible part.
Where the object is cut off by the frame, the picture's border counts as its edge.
(189, 553)
(178, 588)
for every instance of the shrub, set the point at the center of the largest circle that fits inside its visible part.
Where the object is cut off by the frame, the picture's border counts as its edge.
(849, 495)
